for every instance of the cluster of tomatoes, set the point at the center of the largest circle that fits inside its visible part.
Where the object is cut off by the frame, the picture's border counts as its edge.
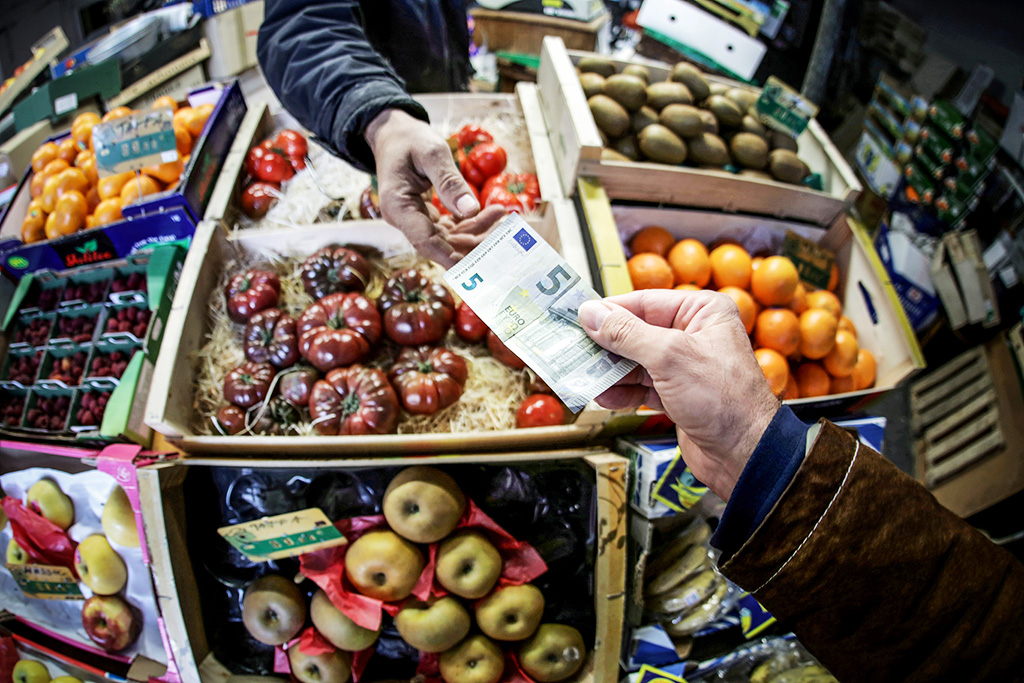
(269, 164)
(67, 192)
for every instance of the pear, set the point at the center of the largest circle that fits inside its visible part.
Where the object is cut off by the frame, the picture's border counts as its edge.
(554, 653)
(273, 609)
(468, 565)
(383, 565)
(435, 626)
(475, 660)
(335, 626)
(119, 519)
(99, 566)
(423, 504)
(511, 613)
(46, 498)
(330, 667)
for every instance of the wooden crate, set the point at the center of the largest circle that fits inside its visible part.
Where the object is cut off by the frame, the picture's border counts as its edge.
(524, 32)
(577, 145)
(966, 420)
(166, 516)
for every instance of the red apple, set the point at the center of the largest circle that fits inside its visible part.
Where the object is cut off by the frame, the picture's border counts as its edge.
(110, 622)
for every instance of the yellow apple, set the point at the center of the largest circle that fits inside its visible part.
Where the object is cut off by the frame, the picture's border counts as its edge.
(383, 565)
(119, 519)
(99, 566)
(468, 565)
(435, 626)
(30, 671)
(553, 653)
(46, 498)
(273, 609)
(475, 660)
(423, 504)
(331, 667)
(336, 627)
(16, 554)
(511, 613)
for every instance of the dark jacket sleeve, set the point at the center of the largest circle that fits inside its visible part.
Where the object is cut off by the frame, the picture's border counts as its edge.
(318, 61)
(878, 580)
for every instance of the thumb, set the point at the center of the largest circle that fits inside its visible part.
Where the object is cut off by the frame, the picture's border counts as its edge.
(619, 331)
(452, 189)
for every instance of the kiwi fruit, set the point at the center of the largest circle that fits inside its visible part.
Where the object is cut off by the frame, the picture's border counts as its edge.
(779, 140)
(597, 65)
(708, 149)
(743, 97)
(609, 115)
(592, 84)
(639, 71)
(642, 117)
(682, 119)
(693, 79)
(786, 166)
(660, 144)
(664, 93)
(710, 122)
(719, 89)
(611, 155)
(749, 150)
(725, 110)
(627, 147)
(752, 125)
(629, 91)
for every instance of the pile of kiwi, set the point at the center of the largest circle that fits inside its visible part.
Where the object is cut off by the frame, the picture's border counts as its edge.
(684, 120)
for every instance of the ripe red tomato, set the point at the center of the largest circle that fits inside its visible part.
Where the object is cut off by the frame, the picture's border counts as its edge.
(264, 164)
(416, 310)
(489, 158)
(472, 134)
(468, 325)
(250, 293)
(294, 146)
(259, 197)
(436, 201)
(523, 185)
(501, 197)
(502, 352)
(354, 400)
(540, 410)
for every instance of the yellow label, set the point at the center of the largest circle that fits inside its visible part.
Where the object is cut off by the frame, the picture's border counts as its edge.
(287, 535)
(46, 582)
(649, 674)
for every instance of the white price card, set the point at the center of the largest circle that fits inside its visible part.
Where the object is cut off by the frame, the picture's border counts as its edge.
(530, 297)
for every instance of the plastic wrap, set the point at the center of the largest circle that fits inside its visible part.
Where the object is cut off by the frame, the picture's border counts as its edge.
(774, 660)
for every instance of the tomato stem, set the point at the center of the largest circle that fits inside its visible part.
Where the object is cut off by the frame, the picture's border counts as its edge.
(349, 405)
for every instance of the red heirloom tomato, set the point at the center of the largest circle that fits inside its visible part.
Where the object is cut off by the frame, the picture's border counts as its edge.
(334, 269)
(338, 330)
(270, 338)
(369, 203)
(523, 186)
(540, 410)
(259, 197)
(354, 400)
(250, 293)
(468, 325)
(481, 162)
(472, 134)
(416, 310)
(277, 419)
(230, 420)
(248, 384)
(441, 208)
(428, 378)
(296, 385)
(502, 197)
(502, 353)
(264, 163)
(294, 146)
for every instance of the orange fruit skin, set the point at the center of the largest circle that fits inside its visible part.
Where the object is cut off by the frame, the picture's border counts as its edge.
(822, 298)
(108, 211)
(33, 225)
(67, 150)
(140, 187)
(35, 186)
(864, 370)
(817, 333)
(687, 288)
(792, 390)
(112, 185)
(54, 167)
(182, 139)
(167, 173)
(833, 278)
(165, 101)
(774, 282)
(812, 380)
(842, 385)
(86, 161)
(847, 325)
(690, 263)
(653, 239)
(778, 329)
(730, 266)
(68, 215)
(744, 302)
(649, 271)
(116, 113)
(197, 120)
(44, 155)
(841, 360)
(775, 369)
(799, 303)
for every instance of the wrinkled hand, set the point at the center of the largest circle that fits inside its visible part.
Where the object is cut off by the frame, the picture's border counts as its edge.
(411, 158)
(696, 364)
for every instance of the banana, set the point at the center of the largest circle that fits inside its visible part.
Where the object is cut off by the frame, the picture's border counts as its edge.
(761, 672)
(692, 561)
(691, 592)
(809, 673)
(670, 551)
(701, 616)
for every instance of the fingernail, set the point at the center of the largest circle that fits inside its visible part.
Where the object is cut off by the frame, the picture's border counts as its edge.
(592, 314)
(467, 205)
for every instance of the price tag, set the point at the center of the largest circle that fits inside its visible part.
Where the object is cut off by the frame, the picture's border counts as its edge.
(46, 582)
(133, 142)
(813, 262)
(63, 105)
(783, 109)
(287, 535)
(678, 489)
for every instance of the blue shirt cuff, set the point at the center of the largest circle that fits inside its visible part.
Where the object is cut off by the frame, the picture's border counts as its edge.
(771, 467)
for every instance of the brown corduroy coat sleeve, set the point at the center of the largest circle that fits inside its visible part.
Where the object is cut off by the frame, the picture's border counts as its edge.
(879, 581)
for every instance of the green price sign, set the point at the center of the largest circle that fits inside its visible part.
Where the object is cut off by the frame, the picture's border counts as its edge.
(133, 142)
(783, 109)
(46, 582)
(293, 533)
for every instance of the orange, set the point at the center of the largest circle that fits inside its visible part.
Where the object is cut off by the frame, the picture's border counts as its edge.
(92, 198)
(649, 271)
(86, 161)
(35, 186)
(68, 150)
(165, 101)
(183, 140)
(57, 185)
(197, 121)
(68, 215)
(85, 118)
(799, 303)
(168, 173)
(745, 304)
(755, 262)
(774, 282)
(32, 227)
(730, 266)
(775, 369)
(112, 185)
(812, 380)
(778, 329)
(54, 167)
(44, 155)
(841, 360)
(653, 239)
(181, 117)
(864, 370)
(847, 325)
(687, 288)
(822, 298)
(82, 132)
(116, 113)
(690, 263)
(817, 333)
(141, 187)
(792, 390)
(108, 211)
(842, 385)
(833, 278)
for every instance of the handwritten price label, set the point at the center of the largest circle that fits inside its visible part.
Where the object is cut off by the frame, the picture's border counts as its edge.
(46, 582)
(287, 535)
(133, 142)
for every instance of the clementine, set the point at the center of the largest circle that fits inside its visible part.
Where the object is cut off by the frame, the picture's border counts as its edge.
(68, 215)
(817, 333)
(745, 303)
(799, 303)
(822, 298)
(44, 155)
(653, 239)
(167, 173)
(112, 185)
(812, 380)
(775, 369)
(139, 187)
(864, 370)
(730, 266)
(67, 150)
(774, 282)
(842, 359)
(847, 325)
(183, 140)
(842, 385)
(115, 113)
(687, 288)
(108, 211)
(690, 263)
(649, 271)
(778, 329)
(792, 390)
(165, 101)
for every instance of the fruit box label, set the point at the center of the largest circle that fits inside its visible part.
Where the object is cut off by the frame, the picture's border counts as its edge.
(131, 143)
(678, 489)
(813, 262)
(649, 674)
(287, 535)
(46, 582)
(783, 109)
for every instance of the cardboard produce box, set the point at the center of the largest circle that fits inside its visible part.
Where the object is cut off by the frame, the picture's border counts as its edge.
(188, 501)
(577, 145)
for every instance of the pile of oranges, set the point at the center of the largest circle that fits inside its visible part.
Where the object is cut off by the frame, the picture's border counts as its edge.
(803, 342)
(67, 193)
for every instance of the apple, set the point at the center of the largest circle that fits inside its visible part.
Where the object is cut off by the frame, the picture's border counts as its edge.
(99, 566)
(342, 632)
(331, 667)
(468, 565)
(273, 609)
(66, 679)
(30, 671)
(16, 554)
(435, 626)
(423, 504)
(553, 653)
(110, 622)
(511, 613)
(46, 498)
(475, 660)
(383, 565)
(119, 519)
